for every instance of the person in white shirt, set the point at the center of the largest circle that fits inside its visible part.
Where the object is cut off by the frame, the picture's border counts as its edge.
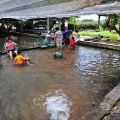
(77, 36)
(13, 28)
(58, 37)
(55, 26)
(66, 25)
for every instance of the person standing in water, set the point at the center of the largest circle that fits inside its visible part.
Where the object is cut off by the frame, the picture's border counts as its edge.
(72, 43)
(77, 36)
(10, 45)
(58, 38)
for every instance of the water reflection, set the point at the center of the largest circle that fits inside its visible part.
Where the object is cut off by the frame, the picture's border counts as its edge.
(99, 68)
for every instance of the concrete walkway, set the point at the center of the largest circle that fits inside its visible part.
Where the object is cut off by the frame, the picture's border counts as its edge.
(112, 46)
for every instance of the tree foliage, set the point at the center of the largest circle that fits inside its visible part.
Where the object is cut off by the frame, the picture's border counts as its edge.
(113, 23)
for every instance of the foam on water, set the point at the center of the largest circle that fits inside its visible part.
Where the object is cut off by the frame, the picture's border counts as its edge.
(57, 102)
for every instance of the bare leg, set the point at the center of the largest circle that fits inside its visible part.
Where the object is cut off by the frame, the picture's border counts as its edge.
(10, 53)
(0, 61)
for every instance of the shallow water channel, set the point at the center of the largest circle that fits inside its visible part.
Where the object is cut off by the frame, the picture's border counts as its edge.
(71, 84)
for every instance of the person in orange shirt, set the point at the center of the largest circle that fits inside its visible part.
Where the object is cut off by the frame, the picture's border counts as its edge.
(20, 59)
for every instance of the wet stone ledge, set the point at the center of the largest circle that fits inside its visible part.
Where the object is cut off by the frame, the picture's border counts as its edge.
(100, 45)
(106, 106)
(115, 113)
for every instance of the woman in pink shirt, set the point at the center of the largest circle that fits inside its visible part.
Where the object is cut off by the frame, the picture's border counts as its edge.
(10, 45)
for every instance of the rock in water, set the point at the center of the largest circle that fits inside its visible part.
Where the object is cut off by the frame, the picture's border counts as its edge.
(62, 116)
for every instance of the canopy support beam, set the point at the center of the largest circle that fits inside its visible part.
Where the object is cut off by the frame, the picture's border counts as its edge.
(99, 21)
(48, 24)
(21, 27)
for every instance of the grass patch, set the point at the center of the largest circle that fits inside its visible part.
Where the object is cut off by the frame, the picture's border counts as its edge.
(112, 35)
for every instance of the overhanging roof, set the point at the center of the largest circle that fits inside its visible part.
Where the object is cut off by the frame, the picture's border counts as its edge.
(26, 9)
(111, 8)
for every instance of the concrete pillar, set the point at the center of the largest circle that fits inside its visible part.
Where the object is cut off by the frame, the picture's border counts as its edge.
(119, 23)
(99, 21)
(48, 24)
(21, 27)
(33, 26)
(60, 23)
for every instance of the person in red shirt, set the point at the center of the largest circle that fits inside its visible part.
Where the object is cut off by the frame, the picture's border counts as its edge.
(72, 43)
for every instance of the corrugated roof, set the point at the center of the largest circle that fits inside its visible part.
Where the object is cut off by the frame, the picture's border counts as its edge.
(21, 9)
(111, 8)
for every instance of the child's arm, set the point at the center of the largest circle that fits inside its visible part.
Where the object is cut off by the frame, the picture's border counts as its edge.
(15, 60)
(68, 45)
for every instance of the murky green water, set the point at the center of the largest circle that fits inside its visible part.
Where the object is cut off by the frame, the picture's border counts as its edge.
(85, 75)
(22, 41)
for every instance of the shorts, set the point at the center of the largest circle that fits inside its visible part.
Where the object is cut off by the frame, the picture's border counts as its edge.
(11, 50)
(25, 62)
(59, 43)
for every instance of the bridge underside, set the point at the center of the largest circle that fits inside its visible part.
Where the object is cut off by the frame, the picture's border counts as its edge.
(26, 9)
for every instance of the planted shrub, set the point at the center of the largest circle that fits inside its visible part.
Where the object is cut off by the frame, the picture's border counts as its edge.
(83, 26)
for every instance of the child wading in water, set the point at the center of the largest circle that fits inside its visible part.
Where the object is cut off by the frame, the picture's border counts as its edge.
(72, 43)
(20, 59)
(10, 46)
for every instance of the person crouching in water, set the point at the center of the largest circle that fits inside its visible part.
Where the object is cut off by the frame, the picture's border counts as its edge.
(72, 43)
(20, 59)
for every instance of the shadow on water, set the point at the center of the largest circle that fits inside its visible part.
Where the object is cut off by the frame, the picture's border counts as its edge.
(84, 76)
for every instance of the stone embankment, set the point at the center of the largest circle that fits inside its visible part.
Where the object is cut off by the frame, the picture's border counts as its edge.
(87, 41)
(106, 109)
(115, 113)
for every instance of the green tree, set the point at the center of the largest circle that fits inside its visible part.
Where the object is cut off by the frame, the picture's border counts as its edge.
(72, 20)
(113, 23)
